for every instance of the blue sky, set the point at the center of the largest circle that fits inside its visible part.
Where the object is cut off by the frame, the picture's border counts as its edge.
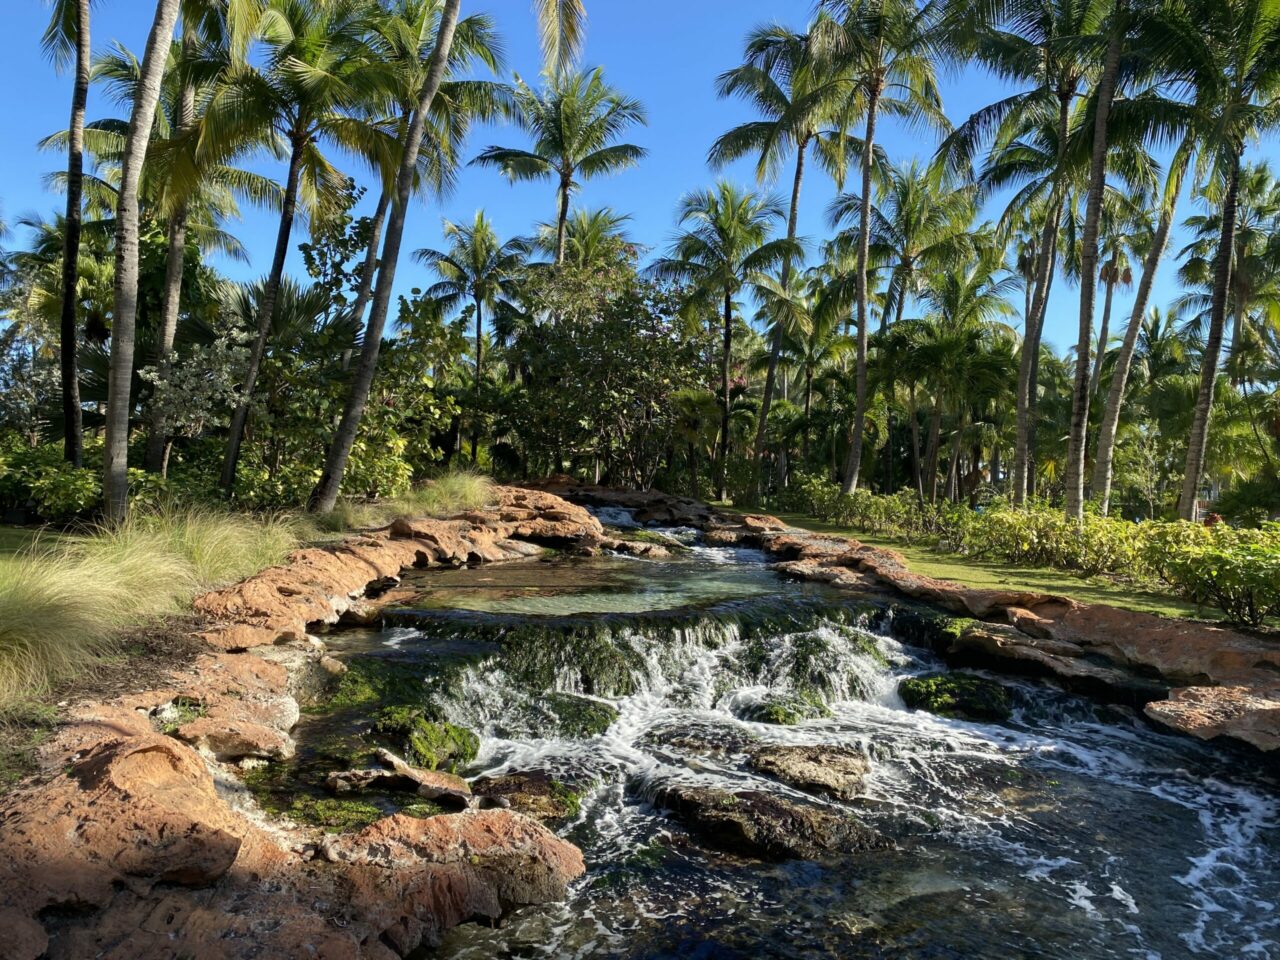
(665, 52)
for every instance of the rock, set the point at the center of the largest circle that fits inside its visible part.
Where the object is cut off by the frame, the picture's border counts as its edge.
(426, 743)
(524, 861)
(692, 736)
(957, 695)
(577, 716)
(1249, 714)
(230, 740)
(636, 548)
(765, 826)
(446, 788)
(534, 793)
(785, 709)
(834, 771)
(332, 666)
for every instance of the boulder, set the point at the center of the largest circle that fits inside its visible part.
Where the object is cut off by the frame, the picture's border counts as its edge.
(826, 770)
(957, 695)
(534, 793)
(765, 826)
(444, 788)
(1248, 714)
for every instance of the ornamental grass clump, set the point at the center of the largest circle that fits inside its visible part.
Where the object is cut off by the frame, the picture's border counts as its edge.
(66, 601)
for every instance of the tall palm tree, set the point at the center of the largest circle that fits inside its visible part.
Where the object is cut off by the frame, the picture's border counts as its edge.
(575, 123)
(891, 47)
(476, 269)
(68, 31)
(1228, 53)
(1121, 233)
(807, 103)
(320, 71)
(560, 29)
(726, 240)
(1115, 29)
(115, 479)
(1034, 44)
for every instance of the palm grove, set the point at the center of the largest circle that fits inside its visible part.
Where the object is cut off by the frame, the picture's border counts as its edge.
(903, 352)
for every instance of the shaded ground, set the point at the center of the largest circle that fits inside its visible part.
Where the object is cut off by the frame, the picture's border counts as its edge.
(143, 659)
(977, 572)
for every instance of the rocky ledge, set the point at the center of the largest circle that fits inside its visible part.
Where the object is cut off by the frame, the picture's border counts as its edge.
(139, 840)
(1196, 678)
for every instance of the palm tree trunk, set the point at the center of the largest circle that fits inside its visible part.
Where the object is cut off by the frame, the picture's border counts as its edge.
(266, 312)
(475, 414)
(1199, 437)
(775, 348)
(69, 333)
(935, 441)
(1089, 272)
(115, 477)
(1104, 332)
(889, 397)
(853, 464)
(1102, 461)
(915, 445)
(808, 410)
(722, 464)
(156, 460)
(562, 220)
(370, 266)
(325, 495)
(1025, 399)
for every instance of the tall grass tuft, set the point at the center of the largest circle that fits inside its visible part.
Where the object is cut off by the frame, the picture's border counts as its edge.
(449, 494)
(64, 602)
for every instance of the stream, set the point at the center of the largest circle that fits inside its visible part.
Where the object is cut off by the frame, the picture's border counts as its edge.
(1072, 830)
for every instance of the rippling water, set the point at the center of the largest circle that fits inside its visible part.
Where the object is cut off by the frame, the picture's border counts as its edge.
(1072, 831)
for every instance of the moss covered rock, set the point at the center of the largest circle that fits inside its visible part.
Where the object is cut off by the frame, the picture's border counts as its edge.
(576, 716)
(424, 742)
(534, 793)
(787, 710)
(957, 695)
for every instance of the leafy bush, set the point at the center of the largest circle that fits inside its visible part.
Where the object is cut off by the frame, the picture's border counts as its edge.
(1236, 570)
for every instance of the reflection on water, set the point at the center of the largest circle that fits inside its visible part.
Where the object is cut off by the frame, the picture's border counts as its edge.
(1071, 832)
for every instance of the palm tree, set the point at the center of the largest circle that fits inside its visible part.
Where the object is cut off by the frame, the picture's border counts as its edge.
(1036, 43)
(891, 47)
(1228, 53)
(115, 479)
(560, 27)
(725, 242)
(806, 102)
(1115, 28)
(1122, 232)
(575, 123)
(477, 268)
(68, 30)
(320, 71)
(588, 235)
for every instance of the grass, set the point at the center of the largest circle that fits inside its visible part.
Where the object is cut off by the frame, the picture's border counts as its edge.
(451, 493)
(67, 600)
(991, 574)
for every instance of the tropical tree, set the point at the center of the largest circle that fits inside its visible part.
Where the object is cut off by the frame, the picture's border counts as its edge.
(726, 241)
(1228, 54)
(319, 73)
(560, 28)
(476, 269)
(115, 480)
(589, 235)
(891, 47)
(807, 103)
(575, 123)
(68, 31)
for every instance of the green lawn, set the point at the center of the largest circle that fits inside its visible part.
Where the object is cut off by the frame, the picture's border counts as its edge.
(992, 574)
(13, 539)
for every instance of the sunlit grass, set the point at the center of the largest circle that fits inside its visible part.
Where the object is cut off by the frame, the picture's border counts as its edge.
(447, 495)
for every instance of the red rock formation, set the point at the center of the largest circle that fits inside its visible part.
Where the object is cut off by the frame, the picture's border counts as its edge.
(138, 845)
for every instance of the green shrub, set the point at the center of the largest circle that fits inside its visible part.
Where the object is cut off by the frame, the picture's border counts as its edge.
(1237, 571)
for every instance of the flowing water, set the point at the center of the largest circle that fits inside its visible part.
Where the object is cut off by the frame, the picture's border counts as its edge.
(1071, 831)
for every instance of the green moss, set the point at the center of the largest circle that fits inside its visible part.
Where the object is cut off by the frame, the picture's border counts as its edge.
(571, 797)
(953, 628)
(423, 809)
(788, 710)
(333, 814)
(957, 695)
(578, 716)
(650, 536)
(424, 742)
(373, 680)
